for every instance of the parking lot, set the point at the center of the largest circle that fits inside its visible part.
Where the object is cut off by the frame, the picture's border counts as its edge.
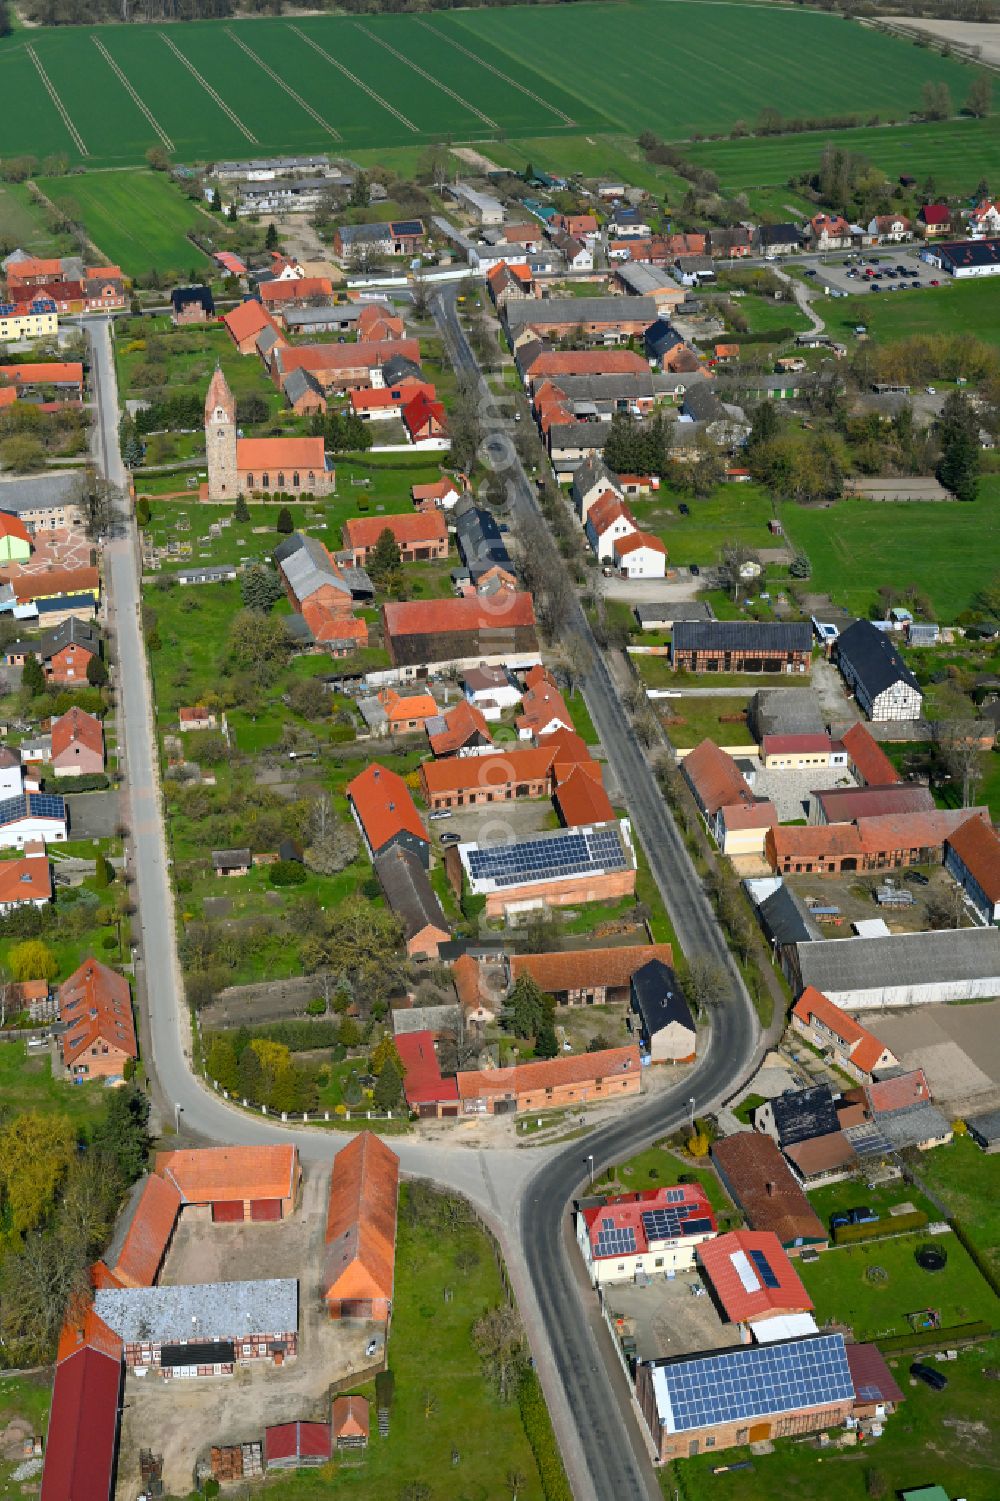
(882, 261)
(494, 823)
(667, 1317)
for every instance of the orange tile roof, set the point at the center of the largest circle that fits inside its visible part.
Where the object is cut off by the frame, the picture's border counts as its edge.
(148, 1235)
(715, 777)
(111, 273)
(33, 266)
(96, 1004)
(864, 1047)
(77, 727)
(290, 291)
(328, 618)
(27, 879)
(408, 528)
(52, 373)
(913, 831)
(438, 491)
(624, 545)
(209, 1175)
(378, 323)
(336, 357)
(465, 978)
(400, 706)
(12, 526)
(432, 617)
(350, 1417)
(606, 510)
(583, 800)
(977, 846)
(548, 1073)
(194, 715)
(587, 362)
(361, 1221)
(49, 582)
(499, 769)
(541, 704)
(247, 320)
(463, 720)
(8, 396)
(569, 750)
(814, 842)
(257, 454)
(383, 803)
(899, 1092)
(87, 1331)
(868, 757)
(587, 969)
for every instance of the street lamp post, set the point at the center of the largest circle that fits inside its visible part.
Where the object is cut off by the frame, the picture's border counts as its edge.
(691, 1109)
(178, 1112)
(590, 1161)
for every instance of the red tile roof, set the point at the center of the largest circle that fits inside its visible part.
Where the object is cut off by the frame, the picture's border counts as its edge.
(625, 1212)
(913, 831)
(582, 800)
(95, 1003)
(868, 757)
(715, 777)
(542, 703)
(399, 707)
(437, 491)
(12, 526)
(83, 1425)
(32, 266)
(731, 1266)
(792, 745)
(900, 1091)
(493, 771)
(409, 528)
(549, 1073)
(423, 1083)
(297, 1441)
(50, 582)
(588, 969)
(935, 213)
(277, 292)
(864, 1047)
(763, 1186)
(383, 803)
(247, 320)
(463, 720)
(624, 545)
(350, 1417)
(254, 455)
(213, 1175)
(432, 617)
(422, 411)
(361, 1221)
(978, 847)
(871, 1378)
(52, 373)
(814, 842)
(549, 363)
(76, 727)
(27, 879)
(148, 1234)
(605, 511)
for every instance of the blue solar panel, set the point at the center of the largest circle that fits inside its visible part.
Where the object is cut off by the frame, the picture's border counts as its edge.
(754, 1381)
(615, 1241)
(763, 1266)
(679, 1219)
(548, 859)
(674, 1196)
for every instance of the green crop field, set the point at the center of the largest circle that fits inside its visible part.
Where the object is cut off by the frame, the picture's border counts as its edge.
(136, 219)
(212, 89)
(949, 550)
(22, 222)
(956, 153)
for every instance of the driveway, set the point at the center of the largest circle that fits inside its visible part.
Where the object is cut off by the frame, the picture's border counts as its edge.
(94, 815)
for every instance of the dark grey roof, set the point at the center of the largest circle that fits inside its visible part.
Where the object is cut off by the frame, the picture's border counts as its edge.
(408, 891)
(701, 403)
(673, 610)
(911, 1126)
(72, 631)
(182, 297)
(961, 253)
(480, 541)
(605, 387)
(779, 234)
(592, 471)
(579, 434)
(307, 317)
(575, 310)
(804, 1113)
(660, 337)
(785, 711)
(46, 492)
(231, 859)
(904, 959)
(658, 1000)
(207, 573)
(209, 1310)
(985, 1126)
(874, 660)
(784, 919)
(398, 368)
(299, 383)
(743, 635)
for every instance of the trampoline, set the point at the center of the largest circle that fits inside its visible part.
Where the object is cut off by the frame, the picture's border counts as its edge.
(931, 1258)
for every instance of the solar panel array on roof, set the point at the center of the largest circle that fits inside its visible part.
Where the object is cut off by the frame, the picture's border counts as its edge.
(401, 227)
(549, 859)
(36, 804)
(616, 1242)
(666, 1224)
(763, 1266)
(754, 1381)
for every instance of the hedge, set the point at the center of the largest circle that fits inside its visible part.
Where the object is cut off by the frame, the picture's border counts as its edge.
(934, 1339)
(92, 781)
(899, 1224)
(978, 1260)
(538, 1430)
(472, 906)
(297, 1036)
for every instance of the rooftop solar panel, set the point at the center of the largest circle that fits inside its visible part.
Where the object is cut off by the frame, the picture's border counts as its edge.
(753, 1382)
(763, 1267)
(616, 1242)
(549, 859)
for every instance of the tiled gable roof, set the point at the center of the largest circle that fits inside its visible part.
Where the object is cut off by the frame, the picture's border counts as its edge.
(361, 1221)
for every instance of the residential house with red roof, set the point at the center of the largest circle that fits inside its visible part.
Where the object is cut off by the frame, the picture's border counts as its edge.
(760, 1181)
(359, 1265)
(549, 1083)
(639, 555)
(755, 1286)
(498, 629)
(386, 814)
(869, 762)
(26, 881)
(581, 800)
(318, 591)
(420, 536)
(654, 1232)
(406, 714)
(543, 708)
(444, 494)
(299, 291)
(425, 420)
(377, 324)
(850, 1046)
(235, 1183)
(829, 232)
(95, 1004)
(972, 856)
(77, 744)
(737, 819)
(933, 221)
(590, 976)
(426, 1091)
(461, 731)
(608, 519)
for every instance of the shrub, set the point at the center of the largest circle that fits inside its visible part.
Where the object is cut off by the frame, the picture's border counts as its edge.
(899, 1224)
(385, 1389)
(341, 734)
(287, 873)
(538, 1431)
(109, 941)
(316, 1007)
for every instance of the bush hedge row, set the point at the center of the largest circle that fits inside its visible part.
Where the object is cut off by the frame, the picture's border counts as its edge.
(538, 1429)
(91, 781)
(899, 1224)
(934, 1339)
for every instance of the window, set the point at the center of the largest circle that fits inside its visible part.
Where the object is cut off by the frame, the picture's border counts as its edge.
(250, 481)
(281, 480)
(265, 482)
(295, 481)
(312, 478)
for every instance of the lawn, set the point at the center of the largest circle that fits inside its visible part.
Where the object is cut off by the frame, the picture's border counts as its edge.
(22, 222)
(954, 308)
(138, 220)
(582, 722)
(965, 1180)
(948, 550)
(692, 720)
(732, 513)
(447, 1430)
(947, 1438)
(208, 93)
(839, 1284)
(849, 1194)
(659, 1167)
(27, 1084)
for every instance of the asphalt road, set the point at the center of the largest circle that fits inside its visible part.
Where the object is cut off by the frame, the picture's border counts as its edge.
(523, 1194)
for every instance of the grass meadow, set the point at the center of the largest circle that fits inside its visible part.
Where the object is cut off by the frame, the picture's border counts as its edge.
(209, 89)
(138, 220)
(952, 308)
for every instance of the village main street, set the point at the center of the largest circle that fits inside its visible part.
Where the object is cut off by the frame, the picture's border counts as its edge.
(523, 1194)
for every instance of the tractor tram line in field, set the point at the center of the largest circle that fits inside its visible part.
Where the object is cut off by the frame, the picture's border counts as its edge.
(505, 77)
(277, 78)
(229, 113)
(416, 68)
(136, 98)
(353, 77)
(64, 114)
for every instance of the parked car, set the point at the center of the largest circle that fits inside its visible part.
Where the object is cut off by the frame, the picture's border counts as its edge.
(451, 838)
(935, 282)
(936, 1380)
(694, 569)
(917, 877)
(436, 817)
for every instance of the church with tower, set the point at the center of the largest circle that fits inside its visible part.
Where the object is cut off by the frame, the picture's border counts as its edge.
(258, 466)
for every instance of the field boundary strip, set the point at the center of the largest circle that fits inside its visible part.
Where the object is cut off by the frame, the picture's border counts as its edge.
(64, 114)
(136, 98)
(428, 76)
(314, 114)
(442, 36)
(229, 113)
(335, 63)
